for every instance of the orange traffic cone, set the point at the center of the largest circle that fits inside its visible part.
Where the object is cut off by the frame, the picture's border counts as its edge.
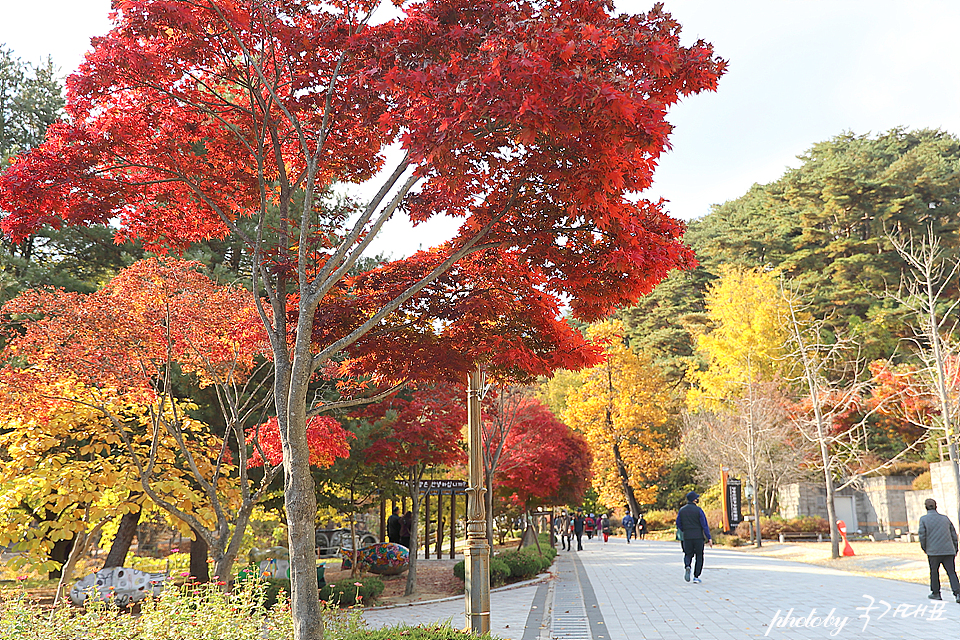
(847, 549)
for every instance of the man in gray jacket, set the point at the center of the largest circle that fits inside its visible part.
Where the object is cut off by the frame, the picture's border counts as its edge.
(938, 539)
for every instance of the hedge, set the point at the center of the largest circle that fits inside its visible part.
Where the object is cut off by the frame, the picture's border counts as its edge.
(513, 566)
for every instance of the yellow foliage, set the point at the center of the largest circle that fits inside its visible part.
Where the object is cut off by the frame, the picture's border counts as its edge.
(624, 409)
(746, 343)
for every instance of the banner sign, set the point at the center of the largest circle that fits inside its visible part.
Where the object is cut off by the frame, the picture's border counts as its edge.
(443, 486)
(733, 495)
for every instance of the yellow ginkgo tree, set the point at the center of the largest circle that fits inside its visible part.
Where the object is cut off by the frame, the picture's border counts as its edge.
(125, 355)
(624, 409)
(743, 353)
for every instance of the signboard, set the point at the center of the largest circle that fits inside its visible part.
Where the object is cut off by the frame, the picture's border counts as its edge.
(734, 497)
(443, 486)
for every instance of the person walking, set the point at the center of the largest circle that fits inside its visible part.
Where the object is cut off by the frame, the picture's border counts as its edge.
(393, 526)
(629, 525)
(578, 524)
(563, 530)
(590, 524)
(605, 527)
(938, 539)
(694, 533)
(641, 528)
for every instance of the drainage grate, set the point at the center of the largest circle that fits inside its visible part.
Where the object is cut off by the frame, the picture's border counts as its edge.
(569, 620)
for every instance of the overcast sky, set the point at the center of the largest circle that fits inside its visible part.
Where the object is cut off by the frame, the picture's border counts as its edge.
(800, 71)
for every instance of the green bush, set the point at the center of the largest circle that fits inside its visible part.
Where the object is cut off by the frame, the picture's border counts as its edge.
(522, 565)
(429, 632)
(186, 612)
(350, 591)
(499, 572)
(511, 566)
(272, 589)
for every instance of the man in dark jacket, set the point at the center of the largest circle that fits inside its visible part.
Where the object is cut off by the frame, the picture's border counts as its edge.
(694, 534)
(578, 523)
(393, 526)
(938, 539)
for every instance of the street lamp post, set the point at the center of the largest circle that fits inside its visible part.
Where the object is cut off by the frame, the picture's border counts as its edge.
(477, 553)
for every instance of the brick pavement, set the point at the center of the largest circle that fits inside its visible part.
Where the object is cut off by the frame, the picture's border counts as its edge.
(642, 594)
(637, 591)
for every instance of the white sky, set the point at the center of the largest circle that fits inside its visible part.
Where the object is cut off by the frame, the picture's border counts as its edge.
(800, 71)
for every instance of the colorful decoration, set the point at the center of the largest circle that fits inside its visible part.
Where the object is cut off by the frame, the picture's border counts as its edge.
(384, 558)
(117, 585)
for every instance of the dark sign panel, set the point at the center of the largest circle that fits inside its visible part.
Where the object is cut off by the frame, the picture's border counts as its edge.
(443, 486)
(734, 493)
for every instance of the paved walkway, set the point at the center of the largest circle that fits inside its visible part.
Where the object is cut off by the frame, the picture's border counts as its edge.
(616, 591)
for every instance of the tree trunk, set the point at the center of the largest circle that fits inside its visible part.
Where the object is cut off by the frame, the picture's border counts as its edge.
(199, 569)
(625, 482)
(60, 552)
(414, 535)
(758, 536)
(291, 386)
(124, 538)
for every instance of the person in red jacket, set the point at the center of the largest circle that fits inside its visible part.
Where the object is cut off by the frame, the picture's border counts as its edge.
(590, 525)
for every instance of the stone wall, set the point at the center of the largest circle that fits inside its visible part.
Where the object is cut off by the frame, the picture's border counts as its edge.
(914, 503)
(802, 499)
(886, 504)
(880, 503)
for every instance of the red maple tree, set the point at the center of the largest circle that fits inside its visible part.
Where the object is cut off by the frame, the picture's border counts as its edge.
(326, 438)
(531, 122)
(546, 462)
(419, 428)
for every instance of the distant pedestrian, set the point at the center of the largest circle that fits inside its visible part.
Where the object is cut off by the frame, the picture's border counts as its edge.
(694, 533)
(579, 522)
(938, 539)
(406, 529)
(641, 528)
(629, 525)
(564, 528)
(590, 525)
(605, 527)
(393, 526)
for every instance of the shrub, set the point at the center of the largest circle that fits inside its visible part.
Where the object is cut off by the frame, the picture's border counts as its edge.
(428, 632)
(511, 566)
(499, 572)
(351, 591)
(272, 589)
(727, 541)
(923, 482)
(660, 520)
(523, 564)
(186, 612)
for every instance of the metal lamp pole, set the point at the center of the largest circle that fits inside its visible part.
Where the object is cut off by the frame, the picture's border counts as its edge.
(477, 553)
